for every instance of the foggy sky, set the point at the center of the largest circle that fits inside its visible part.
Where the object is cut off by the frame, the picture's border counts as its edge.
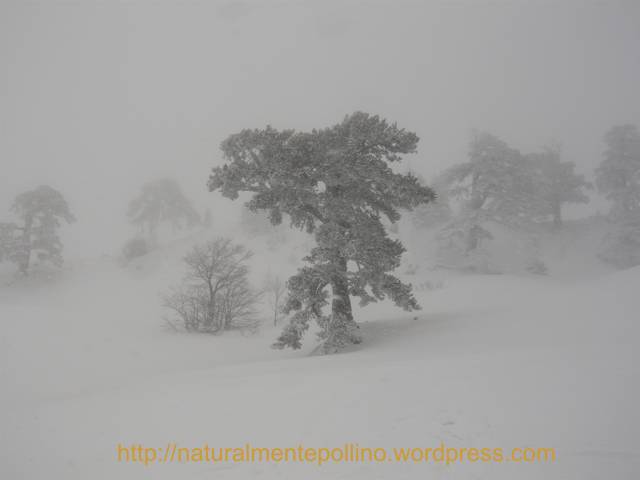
(97, 98)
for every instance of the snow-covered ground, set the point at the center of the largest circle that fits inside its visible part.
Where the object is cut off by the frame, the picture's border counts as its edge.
(491, 361)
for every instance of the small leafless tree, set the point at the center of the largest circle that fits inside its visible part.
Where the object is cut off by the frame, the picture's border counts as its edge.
(215, 294)
(275, 290)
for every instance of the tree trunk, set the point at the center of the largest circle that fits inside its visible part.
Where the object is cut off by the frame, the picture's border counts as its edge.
(341, 304)
(342, 330)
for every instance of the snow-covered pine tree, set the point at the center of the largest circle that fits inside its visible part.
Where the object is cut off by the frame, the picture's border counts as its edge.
(494, 185)
(556, 183)
(618, 178)
(161, 201)
(40, 212)
(336, 183)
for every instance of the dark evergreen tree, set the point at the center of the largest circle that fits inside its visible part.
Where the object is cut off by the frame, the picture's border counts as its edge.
(40, 212)
(336, 183)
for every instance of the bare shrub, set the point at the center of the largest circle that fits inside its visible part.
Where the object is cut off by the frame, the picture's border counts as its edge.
(215, 294)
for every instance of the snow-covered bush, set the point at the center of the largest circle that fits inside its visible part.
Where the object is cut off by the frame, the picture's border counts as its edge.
(536, 266)
(134, 248)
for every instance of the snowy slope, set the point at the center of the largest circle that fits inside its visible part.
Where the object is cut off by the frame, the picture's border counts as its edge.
(491, 361)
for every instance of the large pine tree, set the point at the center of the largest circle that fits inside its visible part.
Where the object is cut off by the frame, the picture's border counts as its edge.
(40, 212)
(336, 183)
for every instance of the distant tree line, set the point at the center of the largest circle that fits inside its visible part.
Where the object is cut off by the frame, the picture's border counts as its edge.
(340, 185)
(501, 186)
